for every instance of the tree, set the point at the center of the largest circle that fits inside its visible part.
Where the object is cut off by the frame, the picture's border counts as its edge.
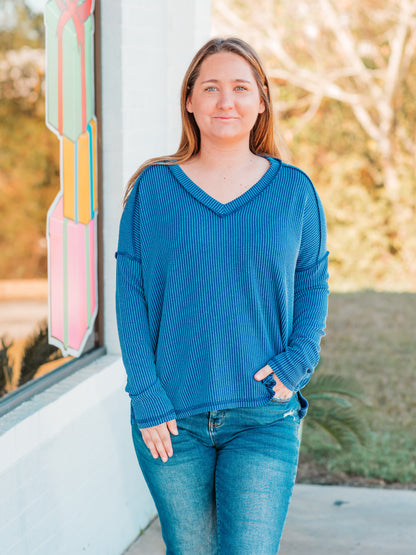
(19, 26)
(358, 53)
(37, 351)
(331, 409)
(29, 153)
(6, 367)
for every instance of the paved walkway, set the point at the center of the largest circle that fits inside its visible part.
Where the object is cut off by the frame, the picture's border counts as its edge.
(332, 520)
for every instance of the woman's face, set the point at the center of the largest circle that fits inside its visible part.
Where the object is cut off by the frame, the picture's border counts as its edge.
(225, 100)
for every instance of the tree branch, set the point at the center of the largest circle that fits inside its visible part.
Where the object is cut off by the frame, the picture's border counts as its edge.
(366, 122)
(307, 116)
(348, 48)
(315, 84)
(396, 57)
(409, 49)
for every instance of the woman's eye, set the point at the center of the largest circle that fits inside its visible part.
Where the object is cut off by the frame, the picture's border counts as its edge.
(210, 89)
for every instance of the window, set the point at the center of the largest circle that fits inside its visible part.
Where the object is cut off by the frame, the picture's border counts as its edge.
(48, 258)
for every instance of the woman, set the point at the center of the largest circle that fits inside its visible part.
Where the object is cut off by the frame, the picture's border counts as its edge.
(221, 305)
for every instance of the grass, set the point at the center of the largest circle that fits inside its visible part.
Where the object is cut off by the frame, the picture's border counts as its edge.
(371, 337)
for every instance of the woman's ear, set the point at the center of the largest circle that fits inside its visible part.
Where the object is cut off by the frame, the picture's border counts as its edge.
(188, 105)
(262, 106)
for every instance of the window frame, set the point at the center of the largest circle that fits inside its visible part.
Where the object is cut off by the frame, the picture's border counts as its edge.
(27, 391)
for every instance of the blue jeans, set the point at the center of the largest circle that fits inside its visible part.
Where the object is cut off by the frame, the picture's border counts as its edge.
(227, 487)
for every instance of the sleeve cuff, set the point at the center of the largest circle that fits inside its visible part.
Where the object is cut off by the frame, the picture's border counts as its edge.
(152, 407)
(288, 372)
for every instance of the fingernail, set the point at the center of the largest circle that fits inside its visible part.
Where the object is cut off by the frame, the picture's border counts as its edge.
(164, 459)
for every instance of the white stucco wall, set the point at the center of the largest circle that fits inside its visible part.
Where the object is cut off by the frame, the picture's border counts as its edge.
(69, 479)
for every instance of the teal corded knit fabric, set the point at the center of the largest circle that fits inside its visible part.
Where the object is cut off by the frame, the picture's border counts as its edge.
(208, 293)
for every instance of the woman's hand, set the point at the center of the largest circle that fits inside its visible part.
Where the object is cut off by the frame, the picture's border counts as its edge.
(281, 390)
(157, 439)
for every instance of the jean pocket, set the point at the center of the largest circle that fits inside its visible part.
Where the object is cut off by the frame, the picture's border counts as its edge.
(280, 400)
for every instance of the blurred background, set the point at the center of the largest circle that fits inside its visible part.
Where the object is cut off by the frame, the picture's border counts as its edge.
(343, 80)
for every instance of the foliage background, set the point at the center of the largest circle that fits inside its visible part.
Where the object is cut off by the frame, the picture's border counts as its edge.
(29, 152)
(370, 341)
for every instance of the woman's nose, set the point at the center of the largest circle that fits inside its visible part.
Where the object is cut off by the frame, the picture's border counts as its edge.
(225, 100)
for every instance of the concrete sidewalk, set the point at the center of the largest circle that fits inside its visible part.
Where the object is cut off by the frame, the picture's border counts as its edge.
(333, 520)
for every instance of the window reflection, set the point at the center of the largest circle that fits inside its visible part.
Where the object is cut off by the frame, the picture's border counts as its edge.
(29, 181)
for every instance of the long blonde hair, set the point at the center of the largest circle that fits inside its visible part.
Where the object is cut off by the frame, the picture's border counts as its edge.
(262, 136)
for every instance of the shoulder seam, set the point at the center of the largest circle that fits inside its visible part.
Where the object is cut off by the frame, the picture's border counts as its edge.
(127, 255)
(315, 196)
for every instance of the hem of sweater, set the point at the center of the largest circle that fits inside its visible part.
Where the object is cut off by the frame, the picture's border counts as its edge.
(238, 403)
(155, 420)
(222, 405)
(206, 407)
(225, 405)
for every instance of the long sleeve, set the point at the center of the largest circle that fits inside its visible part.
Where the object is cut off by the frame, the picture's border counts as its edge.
(296, 363)
(151, 405)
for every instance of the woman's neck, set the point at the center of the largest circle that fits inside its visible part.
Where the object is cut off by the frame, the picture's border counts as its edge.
(224, 157)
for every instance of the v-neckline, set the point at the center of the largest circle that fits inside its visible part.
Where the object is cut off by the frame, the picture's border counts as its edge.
(222, 209)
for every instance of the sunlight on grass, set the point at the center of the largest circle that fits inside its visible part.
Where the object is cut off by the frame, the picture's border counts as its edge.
(370, 338)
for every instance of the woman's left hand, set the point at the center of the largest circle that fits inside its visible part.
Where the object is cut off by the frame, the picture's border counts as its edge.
(281, 390)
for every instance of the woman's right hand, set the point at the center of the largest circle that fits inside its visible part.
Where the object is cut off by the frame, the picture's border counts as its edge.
(157, 439)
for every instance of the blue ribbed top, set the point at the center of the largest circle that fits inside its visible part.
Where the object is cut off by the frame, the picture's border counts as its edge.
(208, 293)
